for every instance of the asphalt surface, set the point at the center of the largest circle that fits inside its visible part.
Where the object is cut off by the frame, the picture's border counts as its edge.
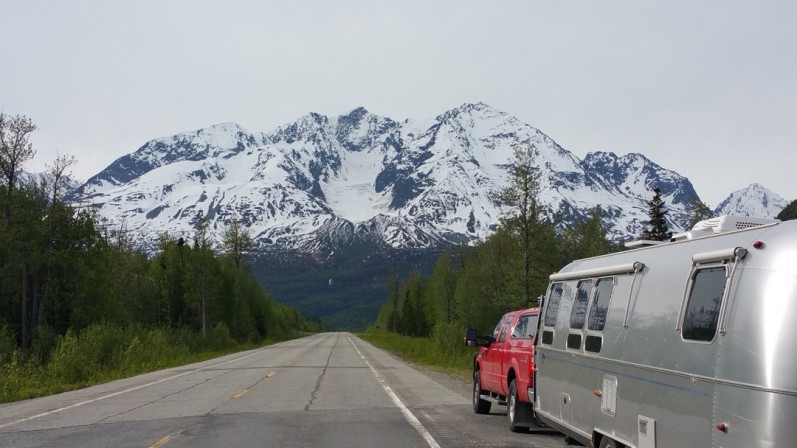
(325, 390)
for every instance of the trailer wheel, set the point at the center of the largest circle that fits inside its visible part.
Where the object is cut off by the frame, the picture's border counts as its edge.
(480, 406)
(608, 442)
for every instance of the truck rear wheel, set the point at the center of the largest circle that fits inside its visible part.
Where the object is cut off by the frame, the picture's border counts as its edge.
(480, 406)
(513, 411)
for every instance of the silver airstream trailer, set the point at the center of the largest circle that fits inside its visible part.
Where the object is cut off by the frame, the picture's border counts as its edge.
(688, 343)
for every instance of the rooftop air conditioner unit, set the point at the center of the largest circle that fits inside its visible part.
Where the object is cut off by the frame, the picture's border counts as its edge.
(722, 224)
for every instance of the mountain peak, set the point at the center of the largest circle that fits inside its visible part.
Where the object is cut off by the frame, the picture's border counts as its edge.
(754, 200)
(355, 114)
(227, 126)
(469, 109)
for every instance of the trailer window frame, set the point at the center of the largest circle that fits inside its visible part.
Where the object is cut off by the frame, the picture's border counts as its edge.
(549, 315)
(692, 300)
(593, 337)
(578, 320)
(554, 302)
(596, 300)
(581, 303)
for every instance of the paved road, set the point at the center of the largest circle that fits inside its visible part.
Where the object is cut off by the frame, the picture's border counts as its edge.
(325, 390)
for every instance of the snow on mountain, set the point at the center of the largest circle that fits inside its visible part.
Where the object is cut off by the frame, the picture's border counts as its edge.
(636, 176)
(755, 200)
(321, 182)
(66, 185)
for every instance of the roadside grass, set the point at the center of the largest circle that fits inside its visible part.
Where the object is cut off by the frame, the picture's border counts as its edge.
(103, 353)
(443, 351)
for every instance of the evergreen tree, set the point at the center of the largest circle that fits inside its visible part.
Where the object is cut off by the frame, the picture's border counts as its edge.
(588, 239)
(237, 241)
(657, 211)
(200, 286)
(441, 288)
(522, 194)
(790, 212)
(700, 212)
(413, 317)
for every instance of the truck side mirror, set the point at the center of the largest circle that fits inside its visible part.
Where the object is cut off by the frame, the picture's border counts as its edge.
(470, 337)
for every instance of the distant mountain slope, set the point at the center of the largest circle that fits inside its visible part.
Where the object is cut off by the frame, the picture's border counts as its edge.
(755, 200)
(320, 181)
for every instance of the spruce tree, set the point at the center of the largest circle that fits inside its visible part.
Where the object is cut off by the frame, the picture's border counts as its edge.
(790, 212)
(657, 211)
(700, 212)
(588, 239)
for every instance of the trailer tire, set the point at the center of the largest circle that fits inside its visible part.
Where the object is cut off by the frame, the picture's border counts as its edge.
(513, 411)
(480, 406)
(608, 442)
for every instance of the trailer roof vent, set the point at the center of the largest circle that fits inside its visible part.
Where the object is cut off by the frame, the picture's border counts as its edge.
(722, 224)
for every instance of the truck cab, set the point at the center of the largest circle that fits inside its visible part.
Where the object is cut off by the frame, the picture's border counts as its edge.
(503, 368)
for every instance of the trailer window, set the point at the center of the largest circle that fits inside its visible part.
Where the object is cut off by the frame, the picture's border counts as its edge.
(552, 307)
(574, 340)
(525, 327)
(600, 304)
(593, 343)
(703, 306)
(579, 313)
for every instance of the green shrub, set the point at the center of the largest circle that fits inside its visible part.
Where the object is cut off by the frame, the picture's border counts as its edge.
(103, 352)
(67, 363)
(44, 344)
(218, 338)
(443, 351)
(8, 346)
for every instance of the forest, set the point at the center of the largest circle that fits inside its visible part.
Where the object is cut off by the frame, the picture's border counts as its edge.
(73, 292)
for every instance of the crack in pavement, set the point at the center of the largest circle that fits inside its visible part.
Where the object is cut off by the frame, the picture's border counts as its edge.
(321, 377)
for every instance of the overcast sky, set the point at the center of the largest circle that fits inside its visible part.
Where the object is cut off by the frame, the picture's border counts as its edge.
(705, 88)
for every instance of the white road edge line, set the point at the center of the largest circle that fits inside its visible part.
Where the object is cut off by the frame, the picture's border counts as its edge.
(55, 411)
(397, 401)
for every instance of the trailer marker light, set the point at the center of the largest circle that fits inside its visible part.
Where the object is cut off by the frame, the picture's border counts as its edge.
(722, 427)
(758, 244)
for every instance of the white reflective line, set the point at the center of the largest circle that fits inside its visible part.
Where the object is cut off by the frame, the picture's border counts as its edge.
(71, 406)
(408, 415)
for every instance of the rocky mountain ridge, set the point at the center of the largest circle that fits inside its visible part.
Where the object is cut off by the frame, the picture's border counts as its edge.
(322, 181)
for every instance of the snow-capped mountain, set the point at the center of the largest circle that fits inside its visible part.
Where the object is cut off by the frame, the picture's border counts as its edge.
(755, 200)
(66, 184)
(322, 182)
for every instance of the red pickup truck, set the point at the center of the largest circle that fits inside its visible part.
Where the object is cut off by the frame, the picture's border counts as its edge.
(503, 368)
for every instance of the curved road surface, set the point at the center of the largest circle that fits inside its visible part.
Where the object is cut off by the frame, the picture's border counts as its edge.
(325, 390)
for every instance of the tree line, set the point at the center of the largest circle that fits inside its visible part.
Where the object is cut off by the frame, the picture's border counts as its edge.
(62, 270)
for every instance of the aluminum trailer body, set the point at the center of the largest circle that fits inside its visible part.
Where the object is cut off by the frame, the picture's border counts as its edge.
(691, 343)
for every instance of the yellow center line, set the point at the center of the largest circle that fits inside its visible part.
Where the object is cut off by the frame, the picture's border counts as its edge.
(161, 442)
(241, 393)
